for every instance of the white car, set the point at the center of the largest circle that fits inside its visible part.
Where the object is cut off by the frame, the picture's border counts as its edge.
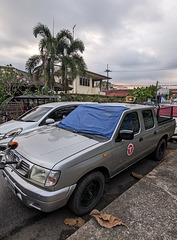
(35, 118)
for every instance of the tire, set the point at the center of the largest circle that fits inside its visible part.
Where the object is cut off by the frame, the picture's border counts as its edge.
(160, 149)
(87, 194)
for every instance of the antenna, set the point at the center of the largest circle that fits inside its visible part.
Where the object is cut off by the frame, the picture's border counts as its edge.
(53, 24)
(73, 30)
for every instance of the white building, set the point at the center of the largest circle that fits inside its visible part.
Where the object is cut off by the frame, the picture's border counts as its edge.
(90, 84)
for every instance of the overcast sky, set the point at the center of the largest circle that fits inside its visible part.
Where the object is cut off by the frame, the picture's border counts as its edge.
(136, 38)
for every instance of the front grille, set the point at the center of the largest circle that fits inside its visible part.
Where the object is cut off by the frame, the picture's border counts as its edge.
(22, 166)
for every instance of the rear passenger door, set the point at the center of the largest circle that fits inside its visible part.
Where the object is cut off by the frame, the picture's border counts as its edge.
(149, 136)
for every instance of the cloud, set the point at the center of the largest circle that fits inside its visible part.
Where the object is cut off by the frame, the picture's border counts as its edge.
(137, 39)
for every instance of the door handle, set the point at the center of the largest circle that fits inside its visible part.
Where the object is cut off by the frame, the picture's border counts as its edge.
(155, 133)
(141, 139)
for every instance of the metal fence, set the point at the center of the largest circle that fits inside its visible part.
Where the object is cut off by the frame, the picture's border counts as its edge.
(12, 111)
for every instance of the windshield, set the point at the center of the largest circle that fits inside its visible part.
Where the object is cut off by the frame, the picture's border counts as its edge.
(34, 115)
(93, 119)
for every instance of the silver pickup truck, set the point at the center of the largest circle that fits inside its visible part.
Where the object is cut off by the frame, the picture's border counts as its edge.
(69, 163)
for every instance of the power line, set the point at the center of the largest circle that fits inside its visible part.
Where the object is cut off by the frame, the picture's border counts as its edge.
(149, 70)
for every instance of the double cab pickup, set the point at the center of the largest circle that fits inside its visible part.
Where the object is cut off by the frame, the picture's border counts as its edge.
(70, 162)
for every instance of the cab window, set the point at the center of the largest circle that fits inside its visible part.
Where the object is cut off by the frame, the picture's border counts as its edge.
(148, 119)
(131, 122)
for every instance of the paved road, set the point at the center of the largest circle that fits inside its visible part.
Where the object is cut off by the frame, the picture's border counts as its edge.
(18, 222)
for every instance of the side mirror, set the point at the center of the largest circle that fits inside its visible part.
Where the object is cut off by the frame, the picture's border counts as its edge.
(49, 121)
(125, 135)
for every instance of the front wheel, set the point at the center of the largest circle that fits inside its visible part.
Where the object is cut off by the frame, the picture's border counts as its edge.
(160, 149)
(87, 194)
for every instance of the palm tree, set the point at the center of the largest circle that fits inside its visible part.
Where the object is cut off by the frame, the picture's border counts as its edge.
(68, 50)
(44, 62)
(63, 50)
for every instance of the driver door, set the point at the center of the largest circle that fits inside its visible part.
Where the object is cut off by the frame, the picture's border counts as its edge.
(126, 152)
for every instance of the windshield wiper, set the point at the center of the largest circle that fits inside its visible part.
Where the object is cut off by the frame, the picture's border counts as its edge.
(70, 130)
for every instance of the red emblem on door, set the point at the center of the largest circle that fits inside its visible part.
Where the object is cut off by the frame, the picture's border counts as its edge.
(130, 149)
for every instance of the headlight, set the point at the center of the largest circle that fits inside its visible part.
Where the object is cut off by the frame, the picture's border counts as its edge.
(13, 133)
(44, 176)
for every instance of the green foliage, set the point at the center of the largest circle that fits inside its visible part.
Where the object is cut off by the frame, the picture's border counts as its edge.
(12, 82)
(3, 94)
(89, 98)
(143, 93)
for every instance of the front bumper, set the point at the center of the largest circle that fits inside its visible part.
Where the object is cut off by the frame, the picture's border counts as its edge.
(36, 197)
(3, 146)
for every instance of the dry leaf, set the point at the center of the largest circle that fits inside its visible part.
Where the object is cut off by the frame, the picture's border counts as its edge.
(77, 222)
(106, 220)
(139, 176)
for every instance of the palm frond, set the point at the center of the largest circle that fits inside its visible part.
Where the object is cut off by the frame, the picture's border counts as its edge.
(64, 34)
(42, 30)
(32, 63)
(76, 45)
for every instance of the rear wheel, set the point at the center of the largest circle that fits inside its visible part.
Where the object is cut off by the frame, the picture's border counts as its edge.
(160, 149)
(87, 193)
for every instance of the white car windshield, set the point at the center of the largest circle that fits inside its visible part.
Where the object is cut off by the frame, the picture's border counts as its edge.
(34, 114)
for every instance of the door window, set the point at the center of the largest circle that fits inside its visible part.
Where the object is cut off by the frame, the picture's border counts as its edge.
(131, 122)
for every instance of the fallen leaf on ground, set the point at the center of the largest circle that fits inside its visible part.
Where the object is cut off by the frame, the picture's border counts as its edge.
(106, 220)
(139, 176)
(77, 222)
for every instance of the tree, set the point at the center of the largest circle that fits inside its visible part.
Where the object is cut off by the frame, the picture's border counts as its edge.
(43, 64)
(143, 93)
(68, 49)
(12, 82)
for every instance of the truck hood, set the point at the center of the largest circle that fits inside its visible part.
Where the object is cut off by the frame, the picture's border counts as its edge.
(50, 145)
(12, 124)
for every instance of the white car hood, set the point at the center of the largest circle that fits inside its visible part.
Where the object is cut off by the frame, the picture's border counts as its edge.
(12, 124)
(50, 145)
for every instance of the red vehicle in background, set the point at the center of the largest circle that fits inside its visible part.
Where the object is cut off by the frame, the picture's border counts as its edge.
(164, 110)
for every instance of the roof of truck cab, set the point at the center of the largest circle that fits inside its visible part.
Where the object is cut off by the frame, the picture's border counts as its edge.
(128, 105)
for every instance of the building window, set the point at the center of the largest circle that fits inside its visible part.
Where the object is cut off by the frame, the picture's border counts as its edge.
(85, 81)
(95, 84)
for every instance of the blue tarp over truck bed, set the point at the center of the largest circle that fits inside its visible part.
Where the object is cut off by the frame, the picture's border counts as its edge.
(94, 119)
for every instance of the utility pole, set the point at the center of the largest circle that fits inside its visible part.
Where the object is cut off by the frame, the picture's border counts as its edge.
(108, 71)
